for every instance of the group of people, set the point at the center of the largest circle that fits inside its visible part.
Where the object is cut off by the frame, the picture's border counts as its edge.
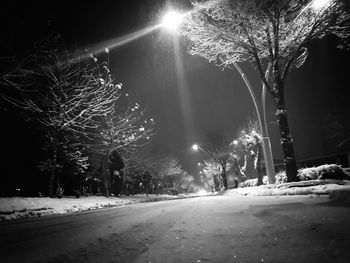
(116, 172)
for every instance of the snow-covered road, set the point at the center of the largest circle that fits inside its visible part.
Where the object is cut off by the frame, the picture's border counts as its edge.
(204, 229)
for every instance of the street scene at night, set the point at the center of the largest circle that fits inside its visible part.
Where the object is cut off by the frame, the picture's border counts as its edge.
(175, 131)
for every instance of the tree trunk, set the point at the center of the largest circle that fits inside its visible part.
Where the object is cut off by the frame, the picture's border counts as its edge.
(258, 164)
(224, 179)
(106, 175)
(53, 173)
(224, 176)
(157, 188)
(286, 140)
(216, 183)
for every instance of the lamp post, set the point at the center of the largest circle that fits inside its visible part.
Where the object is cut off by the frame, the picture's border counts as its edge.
(265, 141)
(196, 147)
(171, 21)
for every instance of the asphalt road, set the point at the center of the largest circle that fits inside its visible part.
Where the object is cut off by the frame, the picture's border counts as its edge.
(204, 229)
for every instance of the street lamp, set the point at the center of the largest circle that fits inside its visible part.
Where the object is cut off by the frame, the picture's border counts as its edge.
(195, 147)
(265, 141)
(319, 4)
(171, 21)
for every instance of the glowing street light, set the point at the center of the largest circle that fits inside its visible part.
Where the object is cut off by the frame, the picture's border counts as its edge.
(172, 20)
(316, 5)
(319, 4)
(195, 147)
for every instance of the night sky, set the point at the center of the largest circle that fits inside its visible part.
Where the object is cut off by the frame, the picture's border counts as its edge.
(205, 99)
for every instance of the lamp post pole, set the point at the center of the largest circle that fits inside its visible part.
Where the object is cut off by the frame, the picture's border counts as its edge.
(266, 143)
(171, 21)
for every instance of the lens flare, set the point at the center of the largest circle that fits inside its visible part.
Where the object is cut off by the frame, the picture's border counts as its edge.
(172, 20)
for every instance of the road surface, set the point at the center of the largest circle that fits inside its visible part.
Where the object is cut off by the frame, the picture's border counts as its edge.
(205, 229)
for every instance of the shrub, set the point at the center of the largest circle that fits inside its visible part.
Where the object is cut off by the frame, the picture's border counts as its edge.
(281, 177)
(326, 171)
(249, 183)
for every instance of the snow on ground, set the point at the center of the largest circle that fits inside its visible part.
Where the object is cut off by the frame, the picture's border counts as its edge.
(315, 187)
(23, 207)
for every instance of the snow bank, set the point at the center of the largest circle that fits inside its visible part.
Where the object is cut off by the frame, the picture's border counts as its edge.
(23, 207)
(311, 187)
(325, 171)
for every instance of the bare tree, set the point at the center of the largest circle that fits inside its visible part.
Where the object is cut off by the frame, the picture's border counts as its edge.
(250, 140)
(125, 129)
(185, 182)
(212, 170)
(219, 150)
(265, 32)
(169, 169)
(72, 95)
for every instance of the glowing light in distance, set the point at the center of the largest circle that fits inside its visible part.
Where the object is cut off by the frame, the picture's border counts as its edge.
(195, 147)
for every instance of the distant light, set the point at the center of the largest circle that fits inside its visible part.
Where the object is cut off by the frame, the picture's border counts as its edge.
(195, 147)
(199, 164)
(172, 20)
(319, 4)
(235, 142)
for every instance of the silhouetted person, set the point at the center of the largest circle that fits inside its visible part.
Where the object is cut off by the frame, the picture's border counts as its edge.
(115, 171)
(147, 181)
(216, 183)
